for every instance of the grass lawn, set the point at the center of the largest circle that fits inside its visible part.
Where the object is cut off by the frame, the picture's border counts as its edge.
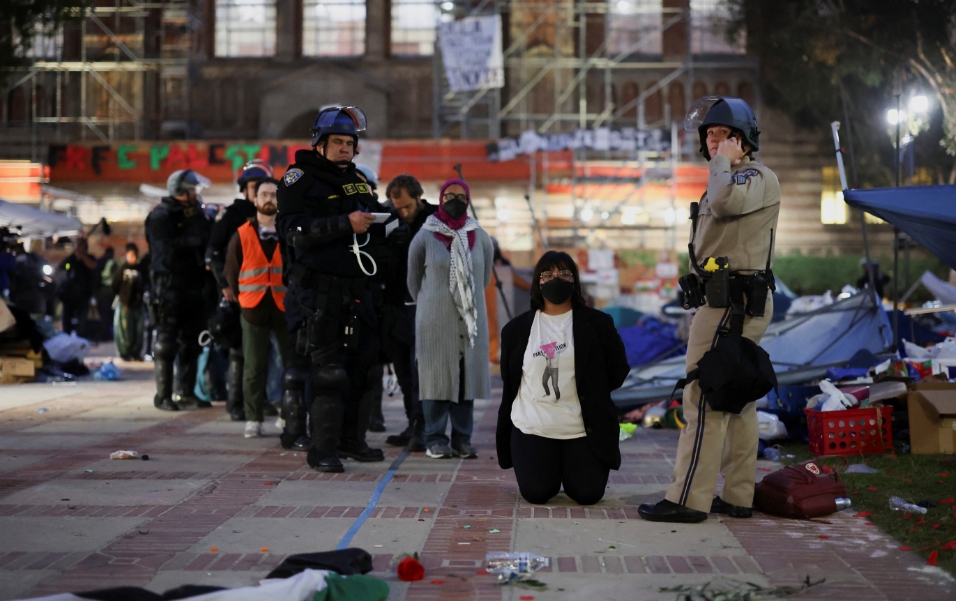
(913, 477)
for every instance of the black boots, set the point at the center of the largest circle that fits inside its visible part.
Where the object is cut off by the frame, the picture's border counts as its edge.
(355, 424)
(234, 401)
(412, 438)
(293, 414)
(718, 505)
(667, 511)
(163, 369)
(326, 416)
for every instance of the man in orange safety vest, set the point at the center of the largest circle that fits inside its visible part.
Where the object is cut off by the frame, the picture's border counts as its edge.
(254, 272)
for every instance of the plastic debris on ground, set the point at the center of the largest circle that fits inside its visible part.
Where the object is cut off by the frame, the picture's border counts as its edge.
(107, 372)
(770, 426)
(67, 347)
(626, 431)
(124, 455)
(507, 564)
(861, 468)
(900, 504)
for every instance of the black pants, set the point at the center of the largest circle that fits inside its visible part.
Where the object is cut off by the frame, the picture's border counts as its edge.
(542, 465)
(398, 344)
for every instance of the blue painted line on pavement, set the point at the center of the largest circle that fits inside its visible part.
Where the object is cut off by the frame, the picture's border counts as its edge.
(372, 502)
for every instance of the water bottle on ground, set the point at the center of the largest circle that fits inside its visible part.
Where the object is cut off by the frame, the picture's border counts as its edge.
(843, 503)
(522, 562)
(898, 504)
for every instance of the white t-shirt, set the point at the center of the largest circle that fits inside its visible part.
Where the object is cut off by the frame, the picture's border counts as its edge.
(547, 404)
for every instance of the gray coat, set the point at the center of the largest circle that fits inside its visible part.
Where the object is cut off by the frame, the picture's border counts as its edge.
(441, 337)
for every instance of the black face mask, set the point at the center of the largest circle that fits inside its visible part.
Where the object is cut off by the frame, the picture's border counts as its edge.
(455, 208)
(557, 291)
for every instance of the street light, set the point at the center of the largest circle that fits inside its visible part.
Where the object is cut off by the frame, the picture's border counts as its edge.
(894, 116)
(919, 104)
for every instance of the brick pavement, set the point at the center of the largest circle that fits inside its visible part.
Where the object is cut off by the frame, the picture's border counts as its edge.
(213, 508)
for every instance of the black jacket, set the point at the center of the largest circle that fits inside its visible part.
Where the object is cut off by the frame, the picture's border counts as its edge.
(600, 366)
(226, 224)
(177, 236)
(315, 199)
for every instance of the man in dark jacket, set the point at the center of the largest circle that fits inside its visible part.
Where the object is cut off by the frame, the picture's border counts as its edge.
(335, 245)
(127, 285)
(78, 272)
(177, 231)
(227, 222)
(398, 316)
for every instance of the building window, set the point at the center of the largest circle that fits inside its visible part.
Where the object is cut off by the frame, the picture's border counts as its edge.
(832, 206)
(635, 27)
(709, 29)
(245, 27)
(414, 27)
(333, 28)
(47, 43)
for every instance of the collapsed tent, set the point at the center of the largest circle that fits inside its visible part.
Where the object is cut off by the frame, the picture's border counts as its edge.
(801, 348)
(945, 293)
(926, 213)
(29, 222)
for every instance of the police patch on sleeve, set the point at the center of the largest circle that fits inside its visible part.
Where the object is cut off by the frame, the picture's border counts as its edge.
(292, 176)
(742, 177)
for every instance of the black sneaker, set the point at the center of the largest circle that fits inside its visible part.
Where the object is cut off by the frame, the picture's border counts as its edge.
(302, 443)
(465, 450)
(666, 511)
(735, 511)
(237, 415)
(376, 425)
(439, 451)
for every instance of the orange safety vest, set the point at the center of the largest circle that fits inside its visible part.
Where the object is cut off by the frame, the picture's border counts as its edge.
(258, 274)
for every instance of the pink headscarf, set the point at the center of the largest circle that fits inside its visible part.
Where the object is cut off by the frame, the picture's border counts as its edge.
(454, 224)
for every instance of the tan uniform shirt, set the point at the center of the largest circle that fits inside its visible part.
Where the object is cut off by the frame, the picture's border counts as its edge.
(738, 214)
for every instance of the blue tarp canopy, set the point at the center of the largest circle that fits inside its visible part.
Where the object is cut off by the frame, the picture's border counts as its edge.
(926, 213)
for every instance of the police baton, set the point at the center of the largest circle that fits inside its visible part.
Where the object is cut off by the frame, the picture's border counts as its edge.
(494, 273)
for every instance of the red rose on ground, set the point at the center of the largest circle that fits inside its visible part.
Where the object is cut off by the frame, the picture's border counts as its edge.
(409, 570)
(933, 558)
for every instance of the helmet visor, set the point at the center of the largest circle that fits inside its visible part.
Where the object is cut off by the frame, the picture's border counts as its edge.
(195, 181)
(328, 118)
(698, 111)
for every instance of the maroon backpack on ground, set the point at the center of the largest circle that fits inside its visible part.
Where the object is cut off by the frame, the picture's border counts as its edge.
(799, 491)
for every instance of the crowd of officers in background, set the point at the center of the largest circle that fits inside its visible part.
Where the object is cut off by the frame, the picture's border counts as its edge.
(312, 265)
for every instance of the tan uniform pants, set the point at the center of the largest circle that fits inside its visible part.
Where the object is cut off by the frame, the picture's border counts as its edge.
(714, 440)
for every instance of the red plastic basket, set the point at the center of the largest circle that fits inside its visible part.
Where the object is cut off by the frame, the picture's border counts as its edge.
(851, 431)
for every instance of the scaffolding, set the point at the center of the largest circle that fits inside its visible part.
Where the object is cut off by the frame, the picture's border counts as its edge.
(574, 65)
(118, 73)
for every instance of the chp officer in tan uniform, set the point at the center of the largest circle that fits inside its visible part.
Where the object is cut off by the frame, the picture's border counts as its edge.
(736, 219)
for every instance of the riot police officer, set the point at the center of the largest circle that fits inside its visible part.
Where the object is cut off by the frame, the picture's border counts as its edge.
(177, 231)
(227, 222)
(336, 246)
(731, 252)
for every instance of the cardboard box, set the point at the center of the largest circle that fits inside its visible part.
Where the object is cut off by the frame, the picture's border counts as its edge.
(15, 369)
(932, 414)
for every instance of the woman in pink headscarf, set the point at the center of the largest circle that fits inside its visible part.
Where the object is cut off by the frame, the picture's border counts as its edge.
(449, 265)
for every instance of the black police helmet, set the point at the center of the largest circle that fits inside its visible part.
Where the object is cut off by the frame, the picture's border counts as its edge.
(733, 113)
(338, 120)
